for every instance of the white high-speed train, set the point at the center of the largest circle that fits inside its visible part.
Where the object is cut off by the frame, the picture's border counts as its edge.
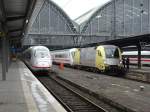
(133, 57)
(38, 58)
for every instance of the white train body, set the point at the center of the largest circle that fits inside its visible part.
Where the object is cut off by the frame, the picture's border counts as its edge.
(38, 58)
(133, 57)
(64, 56)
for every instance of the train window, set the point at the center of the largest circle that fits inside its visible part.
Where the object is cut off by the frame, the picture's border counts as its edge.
(35, 53)
(28, 55)
(111, 52)
(116, 53)
(58, 56)
(41, 54)
(99, 53)
(61, 55)
(73, 54)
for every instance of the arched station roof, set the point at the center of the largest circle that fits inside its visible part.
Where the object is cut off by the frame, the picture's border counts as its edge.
(120, 22)
(70, 22)
(49, 25)
(86, 18)
(34, 17)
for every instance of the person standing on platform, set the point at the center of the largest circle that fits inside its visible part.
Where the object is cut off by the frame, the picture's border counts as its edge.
(123, 62)
(127, 62)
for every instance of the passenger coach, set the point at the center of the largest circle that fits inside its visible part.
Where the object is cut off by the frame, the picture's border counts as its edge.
(133, 57)
(68, 56)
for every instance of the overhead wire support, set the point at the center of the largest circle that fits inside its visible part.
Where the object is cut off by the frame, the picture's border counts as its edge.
(3, 58)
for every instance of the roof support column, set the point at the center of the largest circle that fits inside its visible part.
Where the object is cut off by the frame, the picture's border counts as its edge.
(7, 54)
(114, 20)
(4, 58)
(139, 56)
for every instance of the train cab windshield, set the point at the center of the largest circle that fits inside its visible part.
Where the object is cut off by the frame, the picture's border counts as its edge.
(111, 52)
(41, 54)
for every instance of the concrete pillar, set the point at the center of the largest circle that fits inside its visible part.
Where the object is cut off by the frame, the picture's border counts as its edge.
(4, 58)
(7, 54)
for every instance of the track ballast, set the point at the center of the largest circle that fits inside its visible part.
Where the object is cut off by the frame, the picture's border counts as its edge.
(71, 100)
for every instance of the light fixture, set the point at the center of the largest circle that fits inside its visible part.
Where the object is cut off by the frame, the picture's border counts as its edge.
(27, 21)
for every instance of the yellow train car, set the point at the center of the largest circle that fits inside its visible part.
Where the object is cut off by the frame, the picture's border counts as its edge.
(76, 56)
(103, 57)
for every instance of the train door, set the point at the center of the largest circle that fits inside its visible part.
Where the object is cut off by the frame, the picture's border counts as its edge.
(99, 59)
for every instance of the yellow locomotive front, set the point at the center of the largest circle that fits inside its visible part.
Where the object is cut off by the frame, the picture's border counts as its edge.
(108, 58)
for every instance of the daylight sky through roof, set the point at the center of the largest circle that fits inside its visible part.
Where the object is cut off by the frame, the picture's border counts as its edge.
(75, 8)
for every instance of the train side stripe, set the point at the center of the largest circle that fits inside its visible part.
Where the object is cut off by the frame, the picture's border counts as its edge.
(135, 59)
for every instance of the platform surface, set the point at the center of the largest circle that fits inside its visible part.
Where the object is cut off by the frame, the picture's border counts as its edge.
(142, 74)
(143, 69)
(124, 92)
(22, 92)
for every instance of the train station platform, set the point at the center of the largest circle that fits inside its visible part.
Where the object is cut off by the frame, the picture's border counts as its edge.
(22, 92)
(142, 74)
(127, 94)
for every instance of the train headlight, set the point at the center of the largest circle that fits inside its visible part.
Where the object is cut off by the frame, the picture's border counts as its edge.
(120, 62)
(105, 62)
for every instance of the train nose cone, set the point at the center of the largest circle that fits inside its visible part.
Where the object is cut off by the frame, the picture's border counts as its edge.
(44, 64)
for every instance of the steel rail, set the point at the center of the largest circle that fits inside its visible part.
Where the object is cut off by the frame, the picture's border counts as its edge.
(67, 107)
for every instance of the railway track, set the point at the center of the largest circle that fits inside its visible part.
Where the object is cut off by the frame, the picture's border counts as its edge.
(72, 100)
